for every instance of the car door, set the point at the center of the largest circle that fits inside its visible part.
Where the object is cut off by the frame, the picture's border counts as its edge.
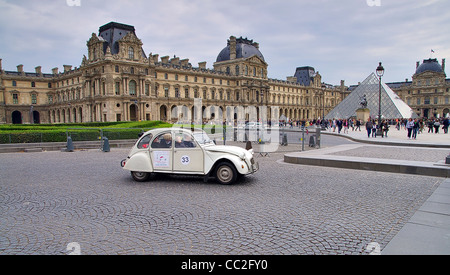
(161, 152)
(188, 156)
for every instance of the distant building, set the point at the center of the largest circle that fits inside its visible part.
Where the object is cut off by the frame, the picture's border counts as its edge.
(429, 91)
(118, 81)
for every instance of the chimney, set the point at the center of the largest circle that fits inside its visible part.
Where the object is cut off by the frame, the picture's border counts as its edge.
(202, 65)
(175, 60)
(443, 65)
(67, 68)
(20, 68)
(55, 70)
(165, 59)
(406, 80)
(256, 45)
(0, 64)
(232, 47)
(38, 70)
(417, 64)
(185, 62)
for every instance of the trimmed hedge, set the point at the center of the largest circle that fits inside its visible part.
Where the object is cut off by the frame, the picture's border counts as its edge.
(36, 133)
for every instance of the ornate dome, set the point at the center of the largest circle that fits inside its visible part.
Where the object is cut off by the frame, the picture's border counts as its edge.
(429, 65)
(244, 48)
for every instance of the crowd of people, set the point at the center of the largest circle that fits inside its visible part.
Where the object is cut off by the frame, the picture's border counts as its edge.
(412, 126)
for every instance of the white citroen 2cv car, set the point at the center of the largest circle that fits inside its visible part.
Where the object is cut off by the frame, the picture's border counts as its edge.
(182, 151)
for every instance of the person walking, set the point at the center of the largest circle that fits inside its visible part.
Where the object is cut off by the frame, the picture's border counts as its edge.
(416, 127)
(430, 125)
(374, 128)
(436, 126)
(446, 124)
(369, 127)
(409, 127)
(384, 128)
(358, 125)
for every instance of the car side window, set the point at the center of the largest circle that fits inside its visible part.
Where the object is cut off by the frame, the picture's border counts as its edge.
(183, 140)
(144, 142)
(163, 140)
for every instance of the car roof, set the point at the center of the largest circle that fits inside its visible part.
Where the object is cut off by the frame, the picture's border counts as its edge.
(160, 130)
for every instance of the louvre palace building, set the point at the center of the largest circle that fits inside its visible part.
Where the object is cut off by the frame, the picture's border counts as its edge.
(118, 81)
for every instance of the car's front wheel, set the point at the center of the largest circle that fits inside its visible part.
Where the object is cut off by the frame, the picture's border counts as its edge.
(140, 176)
(226, 173)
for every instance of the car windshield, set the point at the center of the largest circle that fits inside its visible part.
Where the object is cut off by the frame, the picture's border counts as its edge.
(202, 137)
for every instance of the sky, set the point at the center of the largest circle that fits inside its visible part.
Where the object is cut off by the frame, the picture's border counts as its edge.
(341, 39)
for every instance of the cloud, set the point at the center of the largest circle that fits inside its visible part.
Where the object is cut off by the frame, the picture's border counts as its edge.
(341, 39)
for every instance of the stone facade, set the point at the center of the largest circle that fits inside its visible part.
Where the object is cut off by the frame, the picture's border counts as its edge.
(117, 81)
(428, 94)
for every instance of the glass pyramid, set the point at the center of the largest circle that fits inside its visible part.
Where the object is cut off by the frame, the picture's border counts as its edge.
(391, 105)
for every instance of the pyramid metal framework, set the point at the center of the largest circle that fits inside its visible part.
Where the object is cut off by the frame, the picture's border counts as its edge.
(392, 106)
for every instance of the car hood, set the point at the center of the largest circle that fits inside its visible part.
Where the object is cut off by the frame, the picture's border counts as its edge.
(238, 151)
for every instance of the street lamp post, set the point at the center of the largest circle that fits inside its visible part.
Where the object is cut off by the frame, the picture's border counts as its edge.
(380, 73)
(323, 108)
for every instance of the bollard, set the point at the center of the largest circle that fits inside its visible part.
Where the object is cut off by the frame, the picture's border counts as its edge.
(69, 145)
(284, 141)
(318, 129)
(105, 145)
(312, 143)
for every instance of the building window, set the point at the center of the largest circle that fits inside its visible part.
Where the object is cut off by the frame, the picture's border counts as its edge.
(166, 76)
(33, 84)
(117, 88)
(49, 84)
(166, 92)
(196, 93)
(186, 93)
(177, 93)
(132, 87)
(33, 99)
(435, 100)
(147, 89)
(116, 69)
(14, 83)
(130, 53)
(418, 101)
(15, 98)
(132, 70)
(427, 100)
(50, 99)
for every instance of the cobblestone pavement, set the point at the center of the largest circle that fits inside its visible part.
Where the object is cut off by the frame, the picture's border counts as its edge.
(51, 199)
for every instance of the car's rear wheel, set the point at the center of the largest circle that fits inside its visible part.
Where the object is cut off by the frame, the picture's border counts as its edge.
(226, 173)
(140, 176)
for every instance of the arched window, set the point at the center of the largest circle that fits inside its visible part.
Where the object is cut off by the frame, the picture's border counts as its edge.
(130, 53)
(132, 87)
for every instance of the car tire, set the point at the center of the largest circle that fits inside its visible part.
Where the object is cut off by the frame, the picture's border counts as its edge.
(140, 176)
(226, 173)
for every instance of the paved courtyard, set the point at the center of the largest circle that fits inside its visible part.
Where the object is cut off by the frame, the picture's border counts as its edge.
(49, 200)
